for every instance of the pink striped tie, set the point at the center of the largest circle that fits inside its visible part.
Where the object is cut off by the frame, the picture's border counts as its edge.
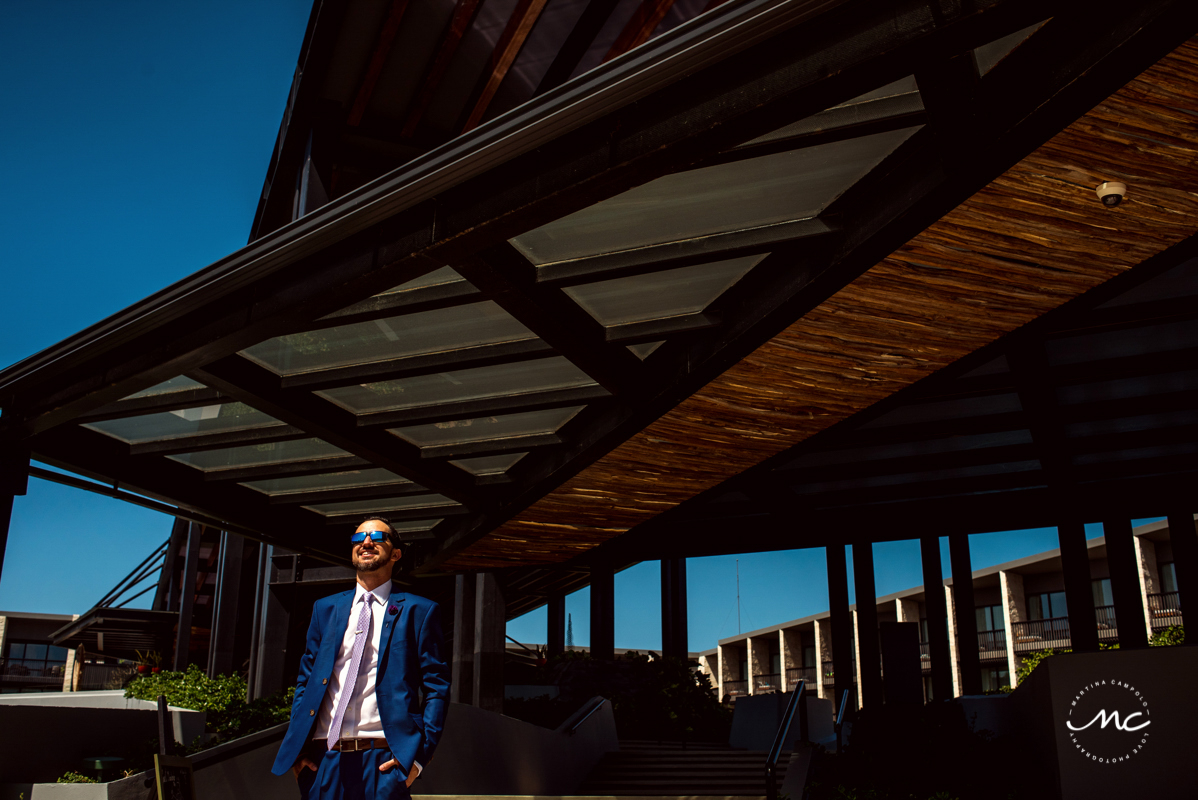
(361, 634)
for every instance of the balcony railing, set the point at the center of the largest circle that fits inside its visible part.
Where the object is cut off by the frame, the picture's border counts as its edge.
(765, 684)
(106, 676)
(15, 674)
(736, 688)
(796, 674)
(1108, 631)
(1040, 634)
(992, 644)
(1165, 610)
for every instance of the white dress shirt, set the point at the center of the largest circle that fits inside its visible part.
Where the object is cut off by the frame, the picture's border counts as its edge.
(362, 718)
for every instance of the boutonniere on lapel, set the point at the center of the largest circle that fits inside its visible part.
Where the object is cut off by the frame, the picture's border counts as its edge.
(393, 610)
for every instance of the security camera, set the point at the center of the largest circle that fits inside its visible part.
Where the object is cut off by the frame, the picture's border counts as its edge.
(1111, 193)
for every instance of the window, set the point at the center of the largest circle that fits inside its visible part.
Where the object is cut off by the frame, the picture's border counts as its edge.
(990, 618)
(1046, 605)
(809, 656)
(35, 660)
(1168, 577)
(1102, 592)
(994, 678)
(775, 663)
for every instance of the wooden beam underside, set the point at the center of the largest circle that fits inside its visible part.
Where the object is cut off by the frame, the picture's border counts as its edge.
(1031, 240)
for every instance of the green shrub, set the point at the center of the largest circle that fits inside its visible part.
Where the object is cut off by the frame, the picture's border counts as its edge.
(1173, 635)
(75, 777)
(223, 697)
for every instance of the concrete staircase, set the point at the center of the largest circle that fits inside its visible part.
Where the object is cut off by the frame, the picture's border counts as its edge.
(642, 768)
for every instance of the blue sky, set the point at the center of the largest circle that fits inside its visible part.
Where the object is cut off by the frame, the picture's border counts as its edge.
(136, 138)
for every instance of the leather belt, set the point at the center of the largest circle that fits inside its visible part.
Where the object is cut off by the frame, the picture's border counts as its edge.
(346, 745)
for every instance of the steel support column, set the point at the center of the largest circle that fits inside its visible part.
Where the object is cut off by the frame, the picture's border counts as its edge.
(1184, 541)
(489, 643)
(1125, 583)
(937, 616)
(555, 639)
(673, 608)
(964, 607)
(274, 631)
(461, 687)
(14, 480)
(603, 614)
(1079, 596)
(228, 603)
(842, 623)
(869, 658)
(187, 598)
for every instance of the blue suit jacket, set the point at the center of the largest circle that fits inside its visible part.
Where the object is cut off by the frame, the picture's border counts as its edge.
(410, 657)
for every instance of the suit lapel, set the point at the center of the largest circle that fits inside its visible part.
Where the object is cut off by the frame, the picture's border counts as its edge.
(395, 601)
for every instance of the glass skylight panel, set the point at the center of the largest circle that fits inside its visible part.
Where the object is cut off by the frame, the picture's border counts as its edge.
(900, 97)
(385, 339)
(438, 277)
(500, 380)
(988, 55)
(645, 349)
(669, 293)
(185, 422)
(256, 455)
(410, 502)
(751, 193)
(484, 429)
(349, 479)
(489, 465)
(179, 384)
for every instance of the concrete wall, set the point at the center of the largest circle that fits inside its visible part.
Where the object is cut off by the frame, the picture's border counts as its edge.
(237, 769)
(481, 753)
(755, 721)
(80, 725)
(487, 753)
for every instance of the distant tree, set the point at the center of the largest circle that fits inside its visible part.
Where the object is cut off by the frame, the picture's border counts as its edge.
(569, 630)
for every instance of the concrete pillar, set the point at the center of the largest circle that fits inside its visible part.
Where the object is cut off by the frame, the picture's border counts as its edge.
(842, 621)
(1079, 594)
(857, 656)
(869, 657)
(68, 672)
(784, 660)
(3, 636)
(603, 614)
(937, 612)
(965, 618)
(1184, 540)
(1125, 583)
(953, 644)
(751, 665)
(555, 639)
(1014, 609)
(1149, 582)
(461, 687)
(906, 610)
(724, 670)
(823, 654)
(489, 634)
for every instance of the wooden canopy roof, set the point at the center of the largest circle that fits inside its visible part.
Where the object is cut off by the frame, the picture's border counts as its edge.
(534, 337)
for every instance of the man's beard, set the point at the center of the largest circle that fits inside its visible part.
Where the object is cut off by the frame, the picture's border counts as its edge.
(362, 566)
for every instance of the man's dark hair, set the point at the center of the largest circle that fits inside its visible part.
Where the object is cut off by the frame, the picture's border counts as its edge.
(392, 536)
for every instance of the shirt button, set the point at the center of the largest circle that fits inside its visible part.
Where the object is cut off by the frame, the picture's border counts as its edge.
(326, 680)
(312, 713)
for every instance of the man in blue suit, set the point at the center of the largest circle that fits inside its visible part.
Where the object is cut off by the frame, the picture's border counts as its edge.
(357, 729)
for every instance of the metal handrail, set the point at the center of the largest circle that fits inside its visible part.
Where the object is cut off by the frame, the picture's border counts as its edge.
(597, 704)
(771, 761)
(844, 704)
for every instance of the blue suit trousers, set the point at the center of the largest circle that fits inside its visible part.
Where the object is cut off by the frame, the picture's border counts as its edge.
(352, 776)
